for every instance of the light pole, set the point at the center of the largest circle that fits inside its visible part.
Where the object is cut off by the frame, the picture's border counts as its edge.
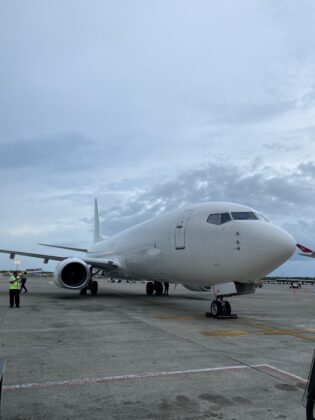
(17, 263)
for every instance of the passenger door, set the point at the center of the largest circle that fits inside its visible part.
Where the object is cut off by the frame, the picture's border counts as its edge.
(180, 230)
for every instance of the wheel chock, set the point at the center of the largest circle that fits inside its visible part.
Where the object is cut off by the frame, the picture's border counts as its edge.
(232, 316)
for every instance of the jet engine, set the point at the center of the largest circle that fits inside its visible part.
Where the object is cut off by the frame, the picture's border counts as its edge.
(72, 273)
(196, 288)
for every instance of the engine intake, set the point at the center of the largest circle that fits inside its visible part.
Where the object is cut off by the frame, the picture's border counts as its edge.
(72, 273)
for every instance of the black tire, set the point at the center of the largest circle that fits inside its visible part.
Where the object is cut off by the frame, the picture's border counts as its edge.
(227, 308)
(94, 288)
(83, 291)
(158, 288)
(216, 308)
(150, 288)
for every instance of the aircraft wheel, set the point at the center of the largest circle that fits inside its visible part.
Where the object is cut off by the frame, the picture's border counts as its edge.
(216, 308)
(94, 288)
(150, 288)
(158, 288)
(83, 291)
(227, 308)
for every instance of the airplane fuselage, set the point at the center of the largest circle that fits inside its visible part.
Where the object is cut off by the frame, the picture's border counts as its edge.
(185, 246)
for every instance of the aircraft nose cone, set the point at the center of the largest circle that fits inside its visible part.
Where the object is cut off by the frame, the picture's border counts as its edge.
(270, 246)
(283, 244)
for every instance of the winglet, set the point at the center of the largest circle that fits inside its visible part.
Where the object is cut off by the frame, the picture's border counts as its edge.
(96, 237)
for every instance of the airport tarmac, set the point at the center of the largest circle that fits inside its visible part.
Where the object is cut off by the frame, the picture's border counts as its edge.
(123, 355)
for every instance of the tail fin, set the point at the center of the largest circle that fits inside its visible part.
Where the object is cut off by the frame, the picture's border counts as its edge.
(303, 248)
(96, 237)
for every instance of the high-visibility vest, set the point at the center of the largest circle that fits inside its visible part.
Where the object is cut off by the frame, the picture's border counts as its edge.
(16, 283)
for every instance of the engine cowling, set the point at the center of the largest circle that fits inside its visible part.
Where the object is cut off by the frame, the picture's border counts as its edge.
(196, 288)
(233, 288)
(72, 273)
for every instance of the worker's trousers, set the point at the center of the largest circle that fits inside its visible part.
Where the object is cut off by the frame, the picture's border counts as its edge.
(14, 297)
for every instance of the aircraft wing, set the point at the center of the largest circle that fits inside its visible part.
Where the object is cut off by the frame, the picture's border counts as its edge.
(306, 252)
(110, 266)
(65, 247)
(45, 257)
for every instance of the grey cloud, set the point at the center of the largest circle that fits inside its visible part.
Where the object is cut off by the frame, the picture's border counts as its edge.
(240, 112)
(68, 151)
(69, 158)
(76, 197)
(307, 169)
(281, 147)
(281, 196)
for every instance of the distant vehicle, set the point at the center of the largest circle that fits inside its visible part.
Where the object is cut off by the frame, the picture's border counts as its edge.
(295, 286)
(225, 245)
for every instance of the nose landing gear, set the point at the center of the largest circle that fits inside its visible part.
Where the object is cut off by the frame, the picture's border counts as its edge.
(220, 309)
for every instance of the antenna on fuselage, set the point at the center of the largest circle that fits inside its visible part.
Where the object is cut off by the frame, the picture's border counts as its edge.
(96, 236)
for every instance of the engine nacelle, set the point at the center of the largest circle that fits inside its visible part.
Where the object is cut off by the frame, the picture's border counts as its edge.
(196, 288)
(233, 288)
(72, 273)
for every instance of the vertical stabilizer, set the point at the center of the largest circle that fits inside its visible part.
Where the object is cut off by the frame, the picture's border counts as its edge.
(96, 237)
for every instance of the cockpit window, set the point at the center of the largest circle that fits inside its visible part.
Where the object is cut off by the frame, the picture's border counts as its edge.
(214, 219)
(219, 218)
(244, 215)
(224, 217)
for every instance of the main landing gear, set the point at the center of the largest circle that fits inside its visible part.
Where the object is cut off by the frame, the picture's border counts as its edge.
(154, 288)
(220, 309)
(92, 286)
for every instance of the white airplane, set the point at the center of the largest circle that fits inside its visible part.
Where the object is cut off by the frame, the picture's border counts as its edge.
(225, 245)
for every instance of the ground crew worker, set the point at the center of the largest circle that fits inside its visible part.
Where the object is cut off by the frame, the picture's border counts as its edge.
(15, 286)
(23, 281)
(166, 287)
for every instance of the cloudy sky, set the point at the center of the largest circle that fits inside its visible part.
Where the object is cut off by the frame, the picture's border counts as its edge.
(149, 105)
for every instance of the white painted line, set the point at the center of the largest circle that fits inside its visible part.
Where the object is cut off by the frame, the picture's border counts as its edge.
(103, 379)
(284, 372)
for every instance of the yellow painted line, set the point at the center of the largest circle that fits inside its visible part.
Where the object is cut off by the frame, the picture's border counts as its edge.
(263, 329)
(225, 333)
(277, 331)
